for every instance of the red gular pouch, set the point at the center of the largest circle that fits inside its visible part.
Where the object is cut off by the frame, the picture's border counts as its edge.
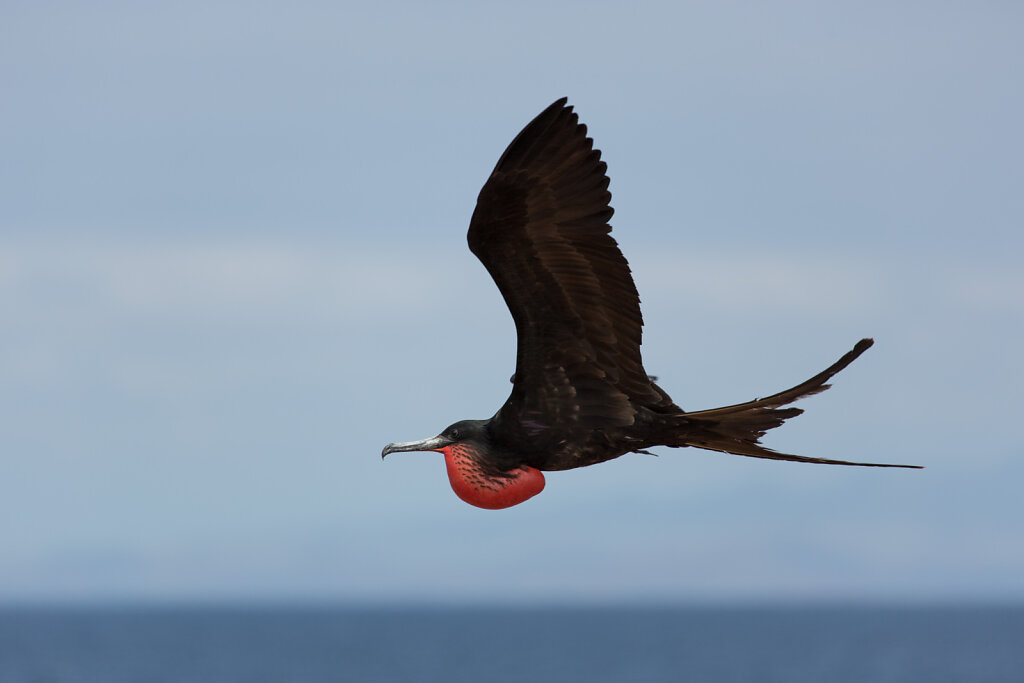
(477, 487)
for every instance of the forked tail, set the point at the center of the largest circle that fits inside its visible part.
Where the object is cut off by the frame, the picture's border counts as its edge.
(738, 429)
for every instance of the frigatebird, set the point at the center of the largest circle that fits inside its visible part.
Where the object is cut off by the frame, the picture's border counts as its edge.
(580, 394)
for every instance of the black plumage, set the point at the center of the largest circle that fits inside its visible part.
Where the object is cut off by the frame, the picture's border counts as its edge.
(580, 392)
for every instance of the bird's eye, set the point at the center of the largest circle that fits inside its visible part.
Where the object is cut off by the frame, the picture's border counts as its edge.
(454, 434)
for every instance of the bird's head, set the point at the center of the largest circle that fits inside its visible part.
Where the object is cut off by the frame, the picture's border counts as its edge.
(473, 469)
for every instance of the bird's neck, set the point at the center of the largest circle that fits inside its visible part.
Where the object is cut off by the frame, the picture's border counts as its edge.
(473, 484)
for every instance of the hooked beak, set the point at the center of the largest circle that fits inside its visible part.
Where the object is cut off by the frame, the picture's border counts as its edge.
(434, 443)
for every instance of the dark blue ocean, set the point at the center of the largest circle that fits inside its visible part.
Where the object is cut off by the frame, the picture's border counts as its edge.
(313, 645)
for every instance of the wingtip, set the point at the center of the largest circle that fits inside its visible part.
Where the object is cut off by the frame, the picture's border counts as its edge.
(562, 103)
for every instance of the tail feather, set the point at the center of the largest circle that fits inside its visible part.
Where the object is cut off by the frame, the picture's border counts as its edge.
(738, 428)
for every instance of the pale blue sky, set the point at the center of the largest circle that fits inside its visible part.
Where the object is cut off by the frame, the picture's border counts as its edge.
(233, 266)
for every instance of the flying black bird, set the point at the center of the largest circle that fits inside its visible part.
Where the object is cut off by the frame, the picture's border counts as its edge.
(580, 394)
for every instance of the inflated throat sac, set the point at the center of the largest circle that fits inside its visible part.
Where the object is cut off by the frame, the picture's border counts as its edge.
(483, 490)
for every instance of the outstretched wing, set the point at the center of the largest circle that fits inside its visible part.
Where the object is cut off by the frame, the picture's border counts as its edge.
(541, 229)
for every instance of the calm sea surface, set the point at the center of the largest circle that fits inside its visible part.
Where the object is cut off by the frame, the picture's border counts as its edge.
(813, 644)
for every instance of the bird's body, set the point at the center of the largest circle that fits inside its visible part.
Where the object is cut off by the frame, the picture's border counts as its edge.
(580, 394)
